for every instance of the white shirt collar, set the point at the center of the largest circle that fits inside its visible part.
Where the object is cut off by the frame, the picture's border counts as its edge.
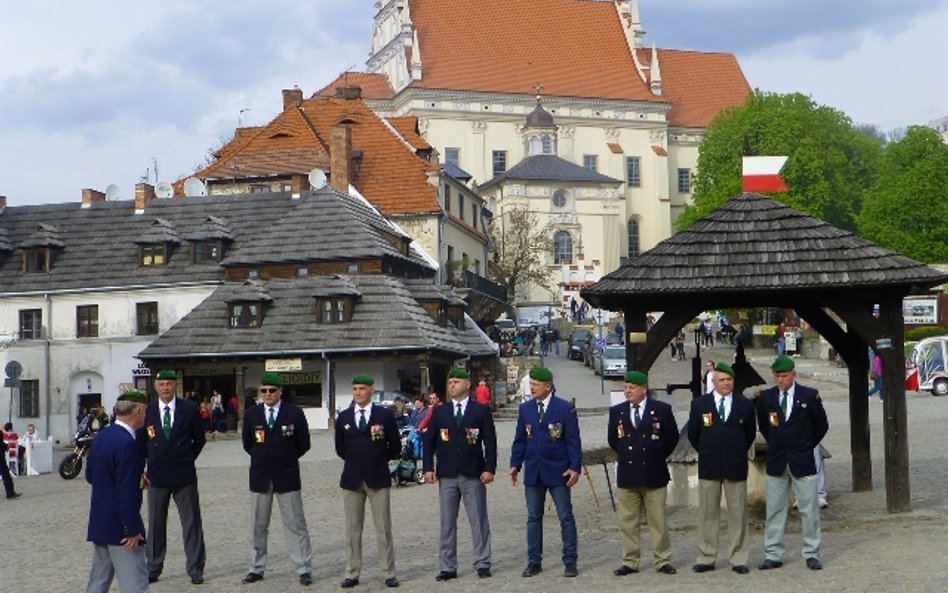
(127, 428)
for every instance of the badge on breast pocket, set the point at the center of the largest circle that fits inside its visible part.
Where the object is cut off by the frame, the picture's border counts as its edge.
(259, 434)
(444, 434)
(707, 419)
(774, 419)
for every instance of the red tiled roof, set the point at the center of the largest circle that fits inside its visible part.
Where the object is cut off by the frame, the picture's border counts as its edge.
(408, 128)
(374, 86)
(615, 147)
(659, 150)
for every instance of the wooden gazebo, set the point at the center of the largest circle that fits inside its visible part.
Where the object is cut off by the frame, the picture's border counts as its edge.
(754, 252)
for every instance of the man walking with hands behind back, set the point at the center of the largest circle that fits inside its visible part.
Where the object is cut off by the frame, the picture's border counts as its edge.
(174, 438)
(462, 436)
(721, 428)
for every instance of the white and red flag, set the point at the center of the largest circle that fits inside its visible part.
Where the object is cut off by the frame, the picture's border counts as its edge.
(762, 173)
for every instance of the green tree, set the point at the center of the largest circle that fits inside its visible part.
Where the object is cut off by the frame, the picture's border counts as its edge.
(521, 248)
(905, 209)
(831, 162)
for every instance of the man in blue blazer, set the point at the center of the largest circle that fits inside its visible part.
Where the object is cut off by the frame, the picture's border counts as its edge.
(462, 436)
(174, 437)
(116, 529)
(721, 428)
(792, 419)
(548, 448)
(366, 439)
(643, 433)
(276, 435)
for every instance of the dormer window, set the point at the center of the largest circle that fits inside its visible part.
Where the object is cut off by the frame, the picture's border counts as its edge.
(153, 254)
(36, 261)
(334, 309)
(206, 251)
(245, 314)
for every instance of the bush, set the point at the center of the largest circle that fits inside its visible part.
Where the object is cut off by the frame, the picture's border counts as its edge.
(925, 331)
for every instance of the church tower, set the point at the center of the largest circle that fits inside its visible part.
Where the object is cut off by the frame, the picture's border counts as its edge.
(539, 132)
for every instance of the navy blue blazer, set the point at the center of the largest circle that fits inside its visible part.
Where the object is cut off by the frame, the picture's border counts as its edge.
(722, 445)
(546, 450)
(642, 451)
(791, 442)
(170, 461)
(365, 453)
(114, 469)
(469, 450)
(275, 452)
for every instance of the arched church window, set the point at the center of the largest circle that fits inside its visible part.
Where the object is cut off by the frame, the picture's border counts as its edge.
(633, 237)
(562, 247)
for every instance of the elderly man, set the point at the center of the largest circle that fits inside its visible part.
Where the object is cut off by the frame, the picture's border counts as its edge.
(173, 440)
(462, 437)
(721, 428)
(366, 438)
(792, 419)
(548, 448)
(643, 433)
(115, 528)
(276, 435)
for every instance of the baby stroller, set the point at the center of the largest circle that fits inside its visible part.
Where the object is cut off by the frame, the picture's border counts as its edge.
(408, 467)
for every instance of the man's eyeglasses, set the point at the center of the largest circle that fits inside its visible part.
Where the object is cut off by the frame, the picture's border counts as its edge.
(269, 389)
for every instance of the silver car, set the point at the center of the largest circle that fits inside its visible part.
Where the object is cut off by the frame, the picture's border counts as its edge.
(610, 362)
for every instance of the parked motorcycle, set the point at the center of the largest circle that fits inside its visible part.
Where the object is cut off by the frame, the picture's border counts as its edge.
(71, 465)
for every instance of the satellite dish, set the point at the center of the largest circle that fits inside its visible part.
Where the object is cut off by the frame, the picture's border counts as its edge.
(317, 178)
(194, 187)
(163, 190)
(112, 193)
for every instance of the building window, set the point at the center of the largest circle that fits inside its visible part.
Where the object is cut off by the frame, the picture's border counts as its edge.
(460, 206)
(29, 398)
(153, 255)
(253, 274)
(562, 247)
(36, 261)
(452, 156)
(450, 253)
(477, 267)
(499, 162)
(259, 189)
(333, 310)
(684, 181)
(559, 198)
(447, 198)
(546, 144)
(633, 168)
(31, 324)
(591, 162)
(206, 251)
(302, 272)
(633, 238)
(147, 316)
(87, 321)
(352, 268)
(474, 208)
(245, 314)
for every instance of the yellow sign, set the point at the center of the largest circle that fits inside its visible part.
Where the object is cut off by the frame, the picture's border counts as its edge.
(282, 365)
(637, 337)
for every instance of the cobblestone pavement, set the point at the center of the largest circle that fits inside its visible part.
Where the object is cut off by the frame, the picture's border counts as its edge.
(864, 548)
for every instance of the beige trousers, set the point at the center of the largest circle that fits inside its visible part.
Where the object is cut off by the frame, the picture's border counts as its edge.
(632, 502)
(379, 502)
(709, 520)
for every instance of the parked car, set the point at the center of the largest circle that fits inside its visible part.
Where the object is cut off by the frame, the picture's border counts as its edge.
(590, 350)
(927, 366)
(610, 362)
(576, 342)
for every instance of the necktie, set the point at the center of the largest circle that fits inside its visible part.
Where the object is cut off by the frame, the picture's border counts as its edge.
(540, 411)
(166, 422)
(783, 402)
(721, 409)
(457, 415)
(362, 422)
(636, 418)
(271, 420)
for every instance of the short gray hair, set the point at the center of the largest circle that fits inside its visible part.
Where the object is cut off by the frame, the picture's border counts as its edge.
(126, 408)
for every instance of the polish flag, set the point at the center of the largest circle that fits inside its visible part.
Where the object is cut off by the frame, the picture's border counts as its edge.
(762, 173)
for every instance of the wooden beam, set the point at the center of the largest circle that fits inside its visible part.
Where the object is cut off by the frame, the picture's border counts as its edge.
(897, 483)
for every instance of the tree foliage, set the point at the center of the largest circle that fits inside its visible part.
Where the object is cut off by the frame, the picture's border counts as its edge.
(906, 210)
(831, 163)
(520, 252)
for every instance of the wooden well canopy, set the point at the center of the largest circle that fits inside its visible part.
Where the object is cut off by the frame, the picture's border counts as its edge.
(755, 252)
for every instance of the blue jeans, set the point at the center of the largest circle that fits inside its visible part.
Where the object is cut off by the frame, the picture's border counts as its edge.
(536, 497)
(876, 387)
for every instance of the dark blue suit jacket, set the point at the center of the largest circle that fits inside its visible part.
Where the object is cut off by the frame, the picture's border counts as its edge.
(547, 449)
(791, 442)
(467, 451)
(114, 469)
(170, 461)
(275, 452)
(722, 445)
(641, 452)
(366, 456)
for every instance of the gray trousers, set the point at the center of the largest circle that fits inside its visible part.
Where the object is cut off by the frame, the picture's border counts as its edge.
(294, 525)
(709, 520)
(380, 503)
(451, 491)
(778, 495)
(128, 566)
(187, 501)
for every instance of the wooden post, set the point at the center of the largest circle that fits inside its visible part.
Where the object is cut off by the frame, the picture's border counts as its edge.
(897, 488)
(856, 358)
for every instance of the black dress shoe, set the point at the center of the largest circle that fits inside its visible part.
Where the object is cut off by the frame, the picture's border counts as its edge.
(447, 575)
(623, 571)
(531, 570)
(667, 569)
(391, 582)
(348, 583)
(768, 564)
(814, 564)
(702, 567)
(306, 579)
(14, 495)
(483, 573)
(740, 569)
(253, 577)
(570, 570)
(152, 578)
(197, 580)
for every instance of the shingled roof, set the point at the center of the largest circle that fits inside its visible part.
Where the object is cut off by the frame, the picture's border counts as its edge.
(549, 167)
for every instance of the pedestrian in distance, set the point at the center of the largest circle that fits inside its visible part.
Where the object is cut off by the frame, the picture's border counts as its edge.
(643, 433)
(276, 435)
(548, 449)
(462, 438)
(722, 428)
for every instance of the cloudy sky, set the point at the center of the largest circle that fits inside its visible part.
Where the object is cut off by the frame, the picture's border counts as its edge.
(99, 93)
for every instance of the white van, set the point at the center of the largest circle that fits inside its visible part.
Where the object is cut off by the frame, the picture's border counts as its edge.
(926, 366)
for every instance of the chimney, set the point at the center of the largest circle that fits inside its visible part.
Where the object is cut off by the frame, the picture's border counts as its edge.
(292, 97)
(144, 193)
(299, 184)
(349, 93)
(91, 196)
(339, 149)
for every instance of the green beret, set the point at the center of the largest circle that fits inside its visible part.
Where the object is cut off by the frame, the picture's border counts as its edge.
(363, 379)
(458, 374)
(541, 374)
(723, 367)
(782, 364)
(133, 396)
(271, 379)
(166, 374)
(636, 378)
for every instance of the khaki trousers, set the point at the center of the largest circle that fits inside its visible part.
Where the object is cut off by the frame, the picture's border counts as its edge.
(379, 502)
(709, 520)
(632, 502)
